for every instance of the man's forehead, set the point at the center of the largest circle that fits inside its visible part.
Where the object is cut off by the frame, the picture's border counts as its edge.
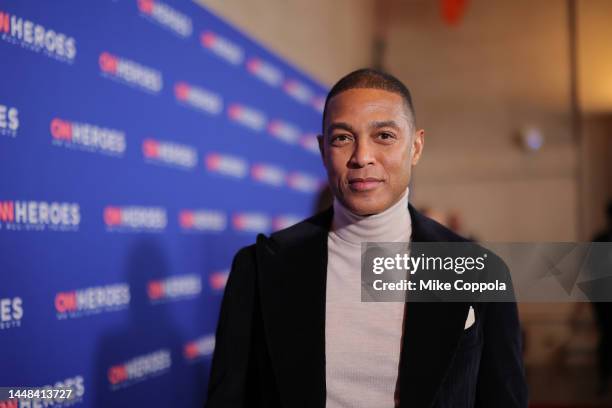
(383, 104)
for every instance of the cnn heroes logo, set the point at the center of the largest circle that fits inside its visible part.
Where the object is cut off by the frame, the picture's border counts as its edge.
(39, 215)
(139, 369)
(199, 348)
(265, 71)
(174, 288)
(130, 72)
(36, 37)
(218, 279)
(135, 218)
(298, 91)
(92, 300)
(226, 165)
(284, 131)
(247, 116)
(309, 142)
(251, 222)
(413, 264)
(166, 16)
(9, 120)
(87, 137)
(222, 47)
(198, 98)
(11, 312)
(170, 154)
(202, 220)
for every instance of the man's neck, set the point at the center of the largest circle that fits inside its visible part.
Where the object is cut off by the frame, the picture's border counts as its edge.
(390, 225)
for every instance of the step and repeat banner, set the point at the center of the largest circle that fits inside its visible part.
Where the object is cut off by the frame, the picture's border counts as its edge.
(142, 143)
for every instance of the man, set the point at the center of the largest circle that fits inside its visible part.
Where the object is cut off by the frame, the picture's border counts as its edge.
(293, 331)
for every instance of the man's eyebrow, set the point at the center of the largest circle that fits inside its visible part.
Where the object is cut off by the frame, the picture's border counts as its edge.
(340, 125)
(384, 123)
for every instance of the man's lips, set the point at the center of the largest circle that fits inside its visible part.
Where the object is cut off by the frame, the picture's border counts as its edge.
(364, 184)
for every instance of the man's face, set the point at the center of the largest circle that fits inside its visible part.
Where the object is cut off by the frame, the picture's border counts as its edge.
(369, 148)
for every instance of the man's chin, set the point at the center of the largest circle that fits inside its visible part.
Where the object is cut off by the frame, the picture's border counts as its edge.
(365, 208)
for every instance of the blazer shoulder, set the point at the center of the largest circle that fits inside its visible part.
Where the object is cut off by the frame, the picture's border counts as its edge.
(426, 229)
(245, 254)
(315, 226)
(243, 264)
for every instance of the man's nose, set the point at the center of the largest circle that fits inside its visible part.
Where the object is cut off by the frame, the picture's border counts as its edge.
(362, 155)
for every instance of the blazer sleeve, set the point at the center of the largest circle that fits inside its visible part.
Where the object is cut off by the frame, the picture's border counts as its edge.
(501, 378)
(228, 377)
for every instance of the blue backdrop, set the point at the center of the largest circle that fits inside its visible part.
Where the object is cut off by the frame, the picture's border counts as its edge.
(141, 144)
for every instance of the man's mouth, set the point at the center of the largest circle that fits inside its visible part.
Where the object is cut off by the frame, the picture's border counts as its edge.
(364, 184)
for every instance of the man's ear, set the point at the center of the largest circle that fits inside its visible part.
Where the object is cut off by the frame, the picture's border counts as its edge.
(321, 140)
(417, 146)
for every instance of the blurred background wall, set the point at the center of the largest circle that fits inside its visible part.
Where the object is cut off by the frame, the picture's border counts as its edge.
(328, 39)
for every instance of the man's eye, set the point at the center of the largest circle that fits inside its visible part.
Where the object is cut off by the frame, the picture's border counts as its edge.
(341, 139)
(386, 135)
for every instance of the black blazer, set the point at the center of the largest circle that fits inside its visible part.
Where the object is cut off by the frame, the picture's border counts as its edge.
(270, 339)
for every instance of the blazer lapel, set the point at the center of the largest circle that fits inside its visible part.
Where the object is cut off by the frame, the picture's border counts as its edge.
(292, 279)
(292, 276)
(431, 335)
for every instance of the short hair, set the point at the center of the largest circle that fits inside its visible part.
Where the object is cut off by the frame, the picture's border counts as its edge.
(368, 78)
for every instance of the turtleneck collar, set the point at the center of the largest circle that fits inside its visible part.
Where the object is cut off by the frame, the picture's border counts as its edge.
(391, 225)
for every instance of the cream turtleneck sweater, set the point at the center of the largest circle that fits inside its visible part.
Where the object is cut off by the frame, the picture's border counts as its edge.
(362, 340)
